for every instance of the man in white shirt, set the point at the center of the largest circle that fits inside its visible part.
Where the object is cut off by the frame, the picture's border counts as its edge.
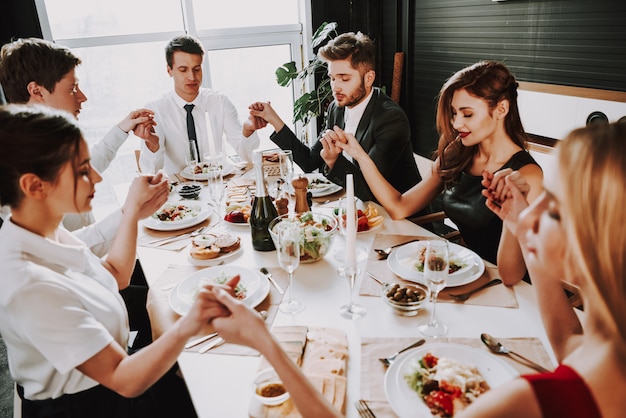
(214, 115)
(34, 71)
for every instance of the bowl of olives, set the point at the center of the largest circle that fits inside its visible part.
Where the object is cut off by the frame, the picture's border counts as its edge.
(189, 190)
(405, 299)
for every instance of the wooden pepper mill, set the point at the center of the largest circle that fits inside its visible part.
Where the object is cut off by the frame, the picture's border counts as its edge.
(300, 188)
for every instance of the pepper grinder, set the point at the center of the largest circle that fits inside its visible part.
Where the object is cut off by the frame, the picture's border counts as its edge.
(300, 189)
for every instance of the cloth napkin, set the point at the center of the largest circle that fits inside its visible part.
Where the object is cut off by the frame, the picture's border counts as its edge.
(146, 235)
(162, 316)
(373, 371)
(498, 295)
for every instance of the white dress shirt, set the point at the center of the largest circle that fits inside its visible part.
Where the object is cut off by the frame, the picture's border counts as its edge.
(171, 119)
(352, 118)
(58, 308)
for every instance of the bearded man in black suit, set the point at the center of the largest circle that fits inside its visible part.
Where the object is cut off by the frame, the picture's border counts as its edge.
(378, 123)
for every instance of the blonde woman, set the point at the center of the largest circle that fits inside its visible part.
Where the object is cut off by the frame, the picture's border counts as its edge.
(573, 231)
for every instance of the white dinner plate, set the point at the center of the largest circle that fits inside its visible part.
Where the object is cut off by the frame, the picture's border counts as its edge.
(227, 169)
(400, 260)
(203, 213)
(407, 403)
(256, 284)
(326, 189)
(240, 224)
(372, 229)
(211, 261)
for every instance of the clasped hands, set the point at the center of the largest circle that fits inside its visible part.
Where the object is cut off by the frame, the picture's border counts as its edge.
(506, 192)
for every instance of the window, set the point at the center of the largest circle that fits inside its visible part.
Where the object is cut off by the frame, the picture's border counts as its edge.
(123, 61)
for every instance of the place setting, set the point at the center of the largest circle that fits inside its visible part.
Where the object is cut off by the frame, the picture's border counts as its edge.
(396, 388)
(475, 281)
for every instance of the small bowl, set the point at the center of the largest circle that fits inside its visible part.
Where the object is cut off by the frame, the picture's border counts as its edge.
(267, 383)
(317, 245)
(405, 299)
(189, 191)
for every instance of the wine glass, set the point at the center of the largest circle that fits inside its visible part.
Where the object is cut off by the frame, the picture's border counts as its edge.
(436, 264)
(215, 183)
(352, 272)
(288, 251)
(192, 158)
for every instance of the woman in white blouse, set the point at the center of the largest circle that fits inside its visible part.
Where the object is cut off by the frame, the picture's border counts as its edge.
(61, 314)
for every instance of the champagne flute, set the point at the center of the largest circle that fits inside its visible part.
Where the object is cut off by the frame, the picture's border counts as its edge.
(192, 158)
(436, 265)
(215, 185)
(285, 164)
(353, 272)
(288, 251)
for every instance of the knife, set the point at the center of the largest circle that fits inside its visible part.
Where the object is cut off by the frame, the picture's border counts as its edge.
(199, 340)
(212, 344)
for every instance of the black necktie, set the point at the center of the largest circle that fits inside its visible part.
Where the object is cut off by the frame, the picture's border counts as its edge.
(191, 130)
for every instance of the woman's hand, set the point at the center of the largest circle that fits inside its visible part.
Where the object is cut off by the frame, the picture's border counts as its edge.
(243, 326)
(206, 307)
(347, 142)
(506, 195)
(147, 193)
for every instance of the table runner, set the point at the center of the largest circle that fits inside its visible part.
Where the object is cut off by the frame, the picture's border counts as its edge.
(499, 295)
(162, 316)
(373, 371)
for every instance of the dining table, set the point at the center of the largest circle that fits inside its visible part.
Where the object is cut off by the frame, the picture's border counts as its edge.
(220, 382)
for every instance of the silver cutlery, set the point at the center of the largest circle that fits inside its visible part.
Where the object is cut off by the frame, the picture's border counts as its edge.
(199, 340)
(384, 252)
(268, 274)
(364, 409)
(212, 344)
(167, 240)
(496, 347)
(376, 279)
(462, 297)
(388, 360)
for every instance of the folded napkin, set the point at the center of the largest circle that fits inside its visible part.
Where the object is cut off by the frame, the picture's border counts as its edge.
(373, 371)
(162, 316)
(322, 354)
(499, 295)
(146, 235)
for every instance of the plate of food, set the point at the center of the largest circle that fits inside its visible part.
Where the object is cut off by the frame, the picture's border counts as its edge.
(238, 215)
(200, 171)
(320, 186)
(207, 249)
(177, 215)
(440, 379)
(368, 219)
(408, 263)
(252, 289)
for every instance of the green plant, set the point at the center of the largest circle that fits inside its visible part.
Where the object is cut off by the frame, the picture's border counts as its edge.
(314, 103)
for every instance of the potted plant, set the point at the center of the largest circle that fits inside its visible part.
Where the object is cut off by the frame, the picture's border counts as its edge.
(311, 104)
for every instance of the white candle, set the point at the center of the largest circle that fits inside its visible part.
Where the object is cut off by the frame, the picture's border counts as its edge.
(209, 132)
(350, 223)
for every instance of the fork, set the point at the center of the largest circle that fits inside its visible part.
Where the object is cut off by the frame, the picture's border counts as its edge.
(462, 297)
(388, 360)
(363, 409)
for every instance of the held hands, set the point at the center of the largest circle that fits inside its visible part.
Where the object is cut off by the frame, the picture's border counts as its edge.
(146, 195)
(346, 142)
(506, 192)
(333, 142)
(262, 113)
(135, 118)
(243, 325)
(207, 308)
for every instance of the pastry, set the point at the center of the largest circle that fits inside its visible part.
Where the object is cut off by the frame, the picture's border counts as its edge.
(227, 242)
(203, 247)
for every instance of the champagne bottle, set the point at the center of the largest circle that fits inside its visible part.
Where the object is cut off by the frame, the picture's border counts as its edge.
(262, 212)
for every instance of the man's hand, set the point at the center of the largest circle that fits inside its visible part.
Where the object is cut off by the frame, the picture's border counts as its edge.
(136, 117)
(262, 113)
